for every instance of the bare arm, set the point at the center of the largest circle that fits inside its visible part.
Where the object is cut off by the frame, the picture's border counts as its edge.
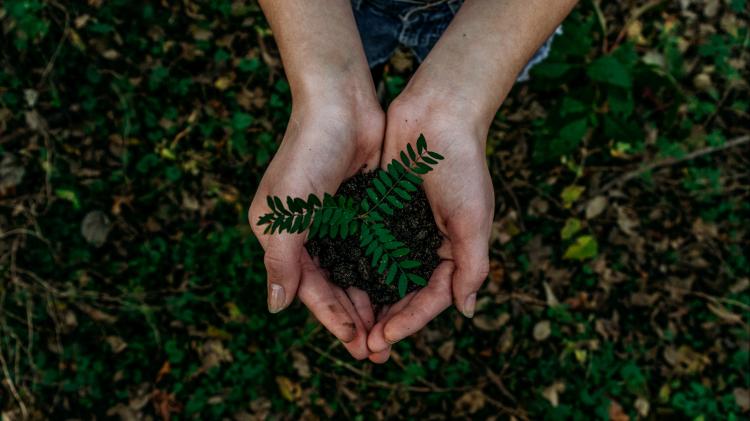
(335, 129)
(452, 99)
(320, 47)
(484, 49)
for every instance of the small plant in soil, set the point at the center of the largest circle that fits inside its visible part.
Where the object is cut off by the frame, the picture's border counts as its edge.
(377, 232)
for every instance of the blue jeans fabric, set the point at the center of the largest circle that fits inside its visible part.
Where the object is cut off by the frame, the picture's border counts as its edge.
(415, 24)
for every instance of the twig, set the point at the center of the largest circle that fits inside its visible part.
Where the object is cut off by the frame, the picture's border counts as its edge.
(12, 387)
(671, 161)
(51, 63)
(506, 409)
(637, 13)
(515, 201)
(379, 383)
(602, 24)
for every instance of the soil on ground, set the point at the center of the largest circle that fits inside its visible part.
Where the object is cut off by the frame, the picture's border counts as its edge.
(346, 262)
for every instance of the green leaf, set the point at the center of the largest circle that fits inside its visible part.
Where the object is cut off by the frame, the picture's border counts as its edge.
(572, 226)
(327, 214)
(336, 217)
(300, 204)
(323, 232)
(429, 160)
(402, 194)
(270, 203)
(334, 230)
(417, 279)
(378, 185)
(291, 204)
(280, 206)
(344, 230)
(570, 194)
(397, 167)
(385, 208)
(400, 252)
(421, 143)
(394, 202)
(384, 177)
(297, 223)
(421, 168)
(287, 224)
(241, 121)
(412, 154)
(391, 245)
(383, 264)
(315, 224)
(436, 155)
(407, 185)
(376, 256)
(609, 70)
(306, 220)
(402, 284)
(409, 264)
(276, 224)
(404, 159)
(585, 247)
(372, 195)
(391, 273)
(413, 178)
(265, 219)
(371, 248)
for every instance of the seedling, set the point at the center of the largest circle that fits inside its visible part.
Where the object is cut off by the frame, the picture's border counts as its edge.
(339, 216)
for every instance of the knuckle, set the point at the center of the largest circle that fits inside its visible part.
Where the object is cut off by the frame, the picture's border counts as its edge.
(274, 262)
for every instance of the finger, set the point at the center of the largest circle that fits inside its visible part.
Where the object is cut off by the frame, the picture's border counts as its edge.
(357, 347)
(376, 339)
(316, 293)
(471, 256)
(362, 304)
(381, 357)
(282, 261)
(425, 306)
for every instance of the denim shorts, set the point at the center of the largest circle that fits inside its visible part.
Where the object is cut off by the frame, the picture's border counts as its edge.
(415, 24)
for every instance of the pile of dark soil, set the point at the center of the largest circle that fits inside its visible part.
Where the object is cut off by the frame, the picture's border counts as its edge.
(346, 262)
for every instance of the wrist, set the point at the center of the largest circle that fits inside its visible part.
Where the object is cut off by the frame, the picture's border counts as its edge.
(441, 108)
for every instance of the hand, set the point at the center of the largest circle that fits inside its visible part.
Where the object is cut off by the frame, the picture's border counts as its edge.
(325, 143)
(461, 196)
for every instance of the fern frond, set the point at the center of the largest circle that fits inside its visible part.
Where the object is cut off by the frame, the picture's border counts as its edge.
(337, 215)
(391, 188)
(386, 253)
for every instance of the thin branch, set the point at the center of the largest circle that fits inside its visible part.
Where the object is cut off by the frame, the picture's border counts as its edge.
(12, 387)
(671, 161)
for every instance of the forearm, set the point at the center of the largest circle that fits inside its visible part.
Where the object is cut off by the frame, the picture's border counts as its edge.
(320, 47)
(478, 58)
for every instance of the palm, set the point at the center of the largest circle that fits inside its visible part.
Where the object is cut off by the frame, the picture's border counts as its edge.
(318, 152)
(462, 200)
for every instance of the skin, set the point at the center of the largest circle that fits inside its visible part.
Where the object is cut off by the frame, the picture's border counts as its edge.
(452, 99)
(335, 130)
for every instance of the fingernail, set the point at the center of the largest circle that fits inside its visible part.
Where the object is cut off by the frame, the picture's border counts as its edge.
(469, 304)
(276, 298)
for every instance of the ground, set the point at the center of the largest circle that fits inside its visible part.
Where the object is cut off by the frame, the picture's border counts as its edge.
(133, 135)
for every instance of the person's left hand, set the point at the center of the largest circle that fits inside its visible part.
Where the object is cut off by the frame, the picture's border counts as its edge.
(462, 199)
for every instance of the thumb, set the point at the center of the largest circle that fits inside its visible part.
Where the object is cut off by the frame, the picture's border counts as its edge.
(471, 257)
(282, 261)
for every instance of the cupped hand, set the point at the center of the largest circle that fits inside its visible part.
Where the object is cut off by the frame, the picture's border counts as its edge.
(461, 196)
(325, 143)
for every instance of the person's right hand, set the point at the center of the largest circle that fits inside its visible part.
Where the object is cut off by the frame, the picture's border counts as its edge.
(327, 140)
